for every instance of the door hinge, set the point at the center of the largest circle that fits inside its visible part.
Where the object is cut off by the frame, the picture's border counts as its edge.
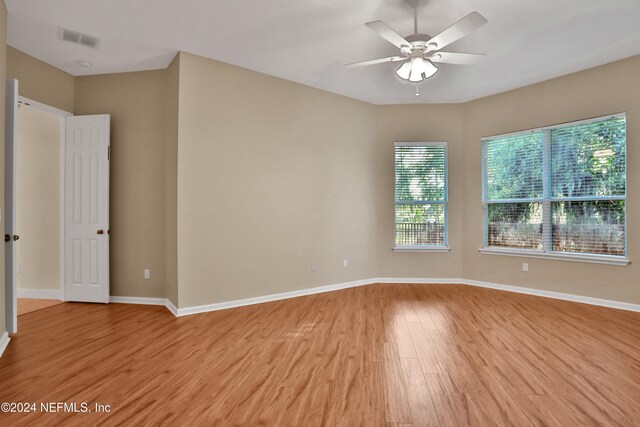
(108, 152)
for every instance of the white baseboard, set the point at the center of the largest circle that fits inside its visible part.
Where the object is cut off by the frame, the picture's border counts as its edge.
(40, 293)
(171, 307)
(418, 281)
(186, 311)
(268, 298)
(146, 301)
(620, 305)
(138, 300)
(4, 342)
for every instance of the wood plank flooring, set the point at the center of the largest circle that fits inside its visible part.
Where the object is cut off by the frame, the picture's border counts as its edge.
(29, 305)
(381, 355)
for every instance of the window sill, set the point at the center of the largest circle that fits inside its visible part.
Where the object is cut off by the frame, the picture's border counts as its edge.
(594, 259)
(424, 248)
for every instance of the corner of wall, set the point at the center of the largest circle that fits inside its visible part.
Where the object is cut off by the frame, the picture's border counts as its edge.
(171, 179)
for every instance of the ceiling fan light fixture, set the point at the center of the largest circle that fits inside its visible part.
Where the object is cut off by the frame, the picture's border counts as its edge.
(419, 51)
(405, 70)
(416, 69)
(429, 69)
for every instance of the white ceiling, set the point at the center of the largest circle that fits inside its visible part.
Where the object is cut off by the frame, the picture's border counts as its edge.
(309, 41)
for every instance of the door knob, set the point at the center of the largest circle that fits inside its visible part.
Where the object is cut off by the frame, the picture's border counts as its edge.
(16, 237)
(100, 231)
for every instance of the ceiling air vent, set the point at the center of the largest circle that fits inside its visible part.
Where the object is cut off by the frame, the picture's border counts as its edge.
(79, 38)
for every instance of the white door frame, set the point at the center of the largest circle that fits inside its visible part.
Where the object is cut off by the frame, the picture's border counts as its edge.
(62, 115)
(10, 136)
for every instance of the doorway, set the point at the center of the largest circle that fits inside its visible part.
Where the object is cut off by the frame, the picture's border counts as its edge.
(38, 205)
(56, 206)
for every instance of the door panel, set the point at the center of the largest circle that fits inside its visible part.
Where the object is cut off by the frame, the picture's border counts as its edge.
(87, 208)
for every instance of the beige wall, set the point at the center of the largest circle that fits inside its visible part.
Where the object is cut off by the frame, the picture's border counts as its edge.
(38, 199)
(140, 129)
(3, 76)
(272, 176)
(228, 183)
(423, 123)
(604, 90)
(40, 81)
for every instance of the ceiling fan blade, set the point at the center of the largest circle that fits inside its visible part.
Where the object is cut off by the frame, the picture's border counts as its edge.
(455, 58)
(455, 32)
(387, 33)
(376, 61)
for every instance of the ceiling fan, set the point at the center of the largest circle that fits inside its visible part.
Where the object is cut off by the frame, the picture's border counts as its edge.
(418, 51)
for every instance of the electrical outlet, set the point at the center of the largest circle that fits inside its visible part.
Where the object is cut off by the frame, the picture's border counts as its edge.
(314, 266)
(147, 273)
(525, 266)
(345, 263)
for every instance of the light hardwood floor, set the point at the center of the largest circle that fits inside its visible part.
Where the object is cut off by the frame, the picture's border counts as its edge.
(29, 305)
(423, 355)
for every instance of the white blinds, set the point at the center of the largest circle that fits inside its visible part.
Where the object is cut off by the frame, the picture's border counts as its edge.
(513, 190)
(420, 194)
(559, 189)
(588, 186)
(588, 159)
(595, 227)
(513, 166)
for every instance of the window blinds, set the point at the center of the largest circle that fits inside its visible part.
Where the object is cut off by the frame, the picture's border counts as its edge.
(513, 167)
(561, 188)
(513, 190)
(420, 194)
(588, 187)
(588, 160)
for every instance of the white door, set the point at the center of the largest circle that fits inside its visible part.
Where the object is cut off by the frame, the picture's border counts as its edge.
(10, 238)
(86, 201)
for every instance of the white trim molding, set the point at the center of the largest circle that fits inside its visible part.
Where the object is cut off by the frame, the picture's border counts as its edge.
(421, 248)
(40, 293)
(171, 307)
(43, 107)
(165, 302)
(620, 305)
(269, 298)
(4, 342)
(418, 281)
(559, 256)
(186, 311)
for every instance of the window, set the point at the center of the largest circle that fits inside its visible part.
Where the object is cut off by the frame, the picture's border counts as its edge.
(420, 196)
(558, 191)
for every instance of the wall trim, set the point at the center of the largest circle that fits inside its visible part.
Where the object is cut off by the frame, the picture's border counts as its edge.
(418, 281)
(40, 293)
(187, 311)
(620, 305)
(171, 307)
(4, 342)
(145, 301)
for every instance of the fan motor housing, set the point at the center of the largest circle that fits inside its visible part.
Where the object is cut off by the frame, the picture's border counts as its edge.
(419, 44)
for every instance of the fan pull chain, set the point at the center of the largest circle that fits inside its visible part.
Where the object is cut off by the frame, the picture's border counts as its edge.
(417, 89)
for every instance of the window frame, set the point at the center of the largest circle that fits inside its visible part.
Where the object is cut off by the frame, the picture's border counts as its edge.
(424, 248)
(547, 251)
